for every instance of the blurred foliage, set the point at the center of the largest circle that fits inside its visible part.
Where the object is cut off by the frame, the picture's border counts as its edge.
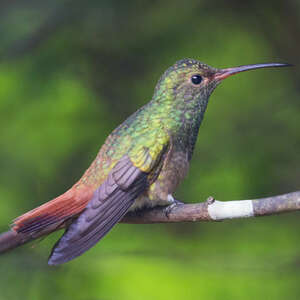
(71, 71)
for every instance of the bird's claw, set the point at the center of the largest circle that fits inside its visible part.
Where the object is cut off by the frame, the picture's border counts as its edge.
(175, 203)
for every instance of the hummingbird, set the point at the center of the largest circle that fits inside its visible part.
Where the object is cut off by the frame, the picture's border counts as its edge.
(140, 165)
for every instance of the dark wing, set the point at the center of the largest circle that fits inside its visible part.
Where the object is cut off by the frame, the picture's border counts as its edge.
(108, 205)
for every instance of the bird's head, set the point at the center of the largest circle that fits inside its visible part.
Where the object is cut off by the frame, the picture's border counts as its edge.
(190, 79)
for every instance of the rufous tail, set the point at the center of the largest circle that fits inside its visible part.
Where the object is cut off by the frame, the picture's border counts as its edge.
(54, 212)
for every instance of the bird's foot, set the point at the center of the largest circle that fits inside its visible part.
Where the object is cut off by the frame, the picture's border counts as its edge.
(173, 204)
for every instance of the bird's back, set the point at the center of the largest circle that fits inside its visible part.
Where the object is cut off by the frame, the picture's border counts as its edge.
(128, 138)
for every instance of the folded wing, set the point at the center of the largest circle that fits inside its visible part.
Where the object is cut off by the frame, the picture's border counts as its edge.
(108, 205)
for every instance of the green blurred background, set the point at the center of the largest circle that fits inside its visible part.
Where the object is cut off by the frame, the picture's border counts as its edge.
(71, 71)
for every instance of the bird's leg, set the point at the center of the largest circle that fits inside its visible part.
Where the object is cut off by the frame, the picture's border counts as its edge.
(173, 204)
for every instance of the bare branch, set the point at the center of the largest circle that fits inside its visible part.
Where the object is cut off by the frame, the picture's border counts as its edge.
(211, 210)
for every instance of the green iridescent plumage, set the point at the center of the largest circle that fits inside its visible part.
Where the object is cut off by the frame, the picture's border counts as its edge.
(173, 116)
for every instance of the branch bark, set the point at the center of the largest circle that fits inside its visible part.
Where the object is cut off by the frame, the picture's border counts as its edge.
(210, 210)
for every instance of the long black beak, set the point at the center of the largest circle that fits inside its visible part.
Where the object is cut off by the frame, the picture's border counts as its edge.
(224, 73)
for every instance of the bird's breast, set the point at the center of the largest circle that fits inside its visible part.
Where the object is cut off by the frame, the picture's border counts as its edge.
(174, 169)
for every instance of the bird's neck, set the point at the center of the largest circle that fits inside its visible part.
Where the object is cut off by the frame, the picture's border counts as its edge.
(182, 118)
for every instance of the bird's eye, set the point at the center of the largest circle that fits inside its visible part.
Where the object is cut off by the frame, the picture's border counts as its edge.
(196, 79)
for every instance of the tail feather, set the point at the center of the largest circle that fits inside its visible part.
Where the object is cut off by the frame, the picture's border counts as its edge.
(56, 211)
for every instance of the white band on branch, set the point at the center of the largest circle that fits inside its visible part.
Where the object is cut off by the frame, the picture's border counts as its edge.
(220, 210)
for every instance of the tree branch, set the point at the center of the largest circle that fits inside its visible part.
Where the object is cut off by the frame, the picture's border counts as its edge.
(211, 210)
